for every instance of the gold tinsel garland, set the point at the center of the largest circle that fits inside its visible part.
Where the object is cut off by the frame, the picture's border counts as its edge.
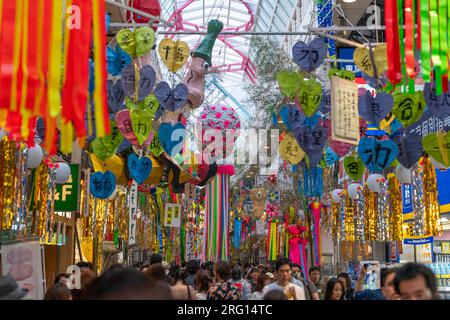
(371, 214)
(40, 196)
(433, 224)
(349, 219)
(8, 186)
(334, 219)
(396, 216)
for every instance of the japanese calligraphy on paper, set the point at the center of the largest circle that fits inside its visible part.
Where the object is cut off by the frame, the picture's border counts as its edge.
(172, 215)
(344, 111)
(191, 251)
(132, 213)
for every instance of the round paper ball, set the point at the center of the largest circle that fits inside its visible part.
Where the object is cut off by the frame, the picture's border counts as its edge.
(353, 190)
(437, 164)
(336, 195)
(403, 174)
(35, 156)
(62, 173)
(374, 181)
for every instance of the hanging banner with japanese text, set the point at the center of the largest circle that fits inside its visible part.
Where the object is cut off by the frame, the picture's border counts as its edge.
(133, 203)
(172, 215)
(344, 111)
(191, 252)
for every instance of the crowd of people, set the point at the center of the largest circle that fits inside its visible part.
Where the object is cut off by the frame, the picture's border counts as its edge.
(157, 280)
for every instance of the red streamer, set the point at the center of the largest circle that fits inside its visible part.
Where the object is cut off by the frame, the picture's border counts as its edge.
(394, 72)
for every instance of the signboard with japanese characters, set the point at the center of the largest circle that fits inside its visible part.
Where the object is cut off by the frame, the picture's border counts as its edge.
(344, 111)
(133, 202)
(172, 215)
(191, 252)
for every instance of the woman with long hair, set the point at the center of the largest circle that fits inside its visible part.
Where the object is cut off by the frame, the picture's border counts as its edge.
(347, 282)
(334, 290)
(262, 281)
(202, 282)
(180, 290)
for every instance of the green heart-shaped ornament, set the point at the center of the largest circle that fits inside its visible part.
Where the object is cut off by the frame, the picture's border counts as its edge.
(155, 147)
(354, 167)
(289, 83)
(126, 40)
(344, 74)
(107, 146)
(408, 107)
(435, 145)
(310, 95)
(142, 122)
(150, 104)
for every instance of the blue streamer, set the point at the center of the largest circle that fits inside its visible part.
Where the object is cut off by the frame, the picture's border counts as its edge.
(237, 232)
(313, 182)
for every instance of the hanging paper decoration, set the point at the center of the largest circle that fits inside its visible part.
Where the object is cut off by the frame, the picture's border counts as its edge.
(309, 56)
(237, 232)
(292, 117)
(330, 157)
(102, 185)
(316, 209)
(312, 141)
(438, 105)
(377, 155)
(370, 214)
(138, 82)
(174, 54)
(117, 60)
(139, 168)
(375, 109)
(382, 223)
(136, 43)
(290, 150)
(418, 202)
(365, 60)
(396, 209)
(116, 95)
(435, 145)
(310, 96)
(297, 246)
(409, 148)
(171, 137)
(408, 107)
(200, 65)
(433, 224)
(354, 167)
(341, 73)
(171, 99)
(313, 182)
(289, 83)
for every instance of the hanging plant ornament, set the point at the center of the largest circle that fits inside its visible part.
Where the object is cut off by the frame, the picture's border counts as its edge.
(171, 99)
(410, 148)
(290, 150)
(136, 43)
(375, 109)
(377, 155)
(174, 54)
(147, 79)
(408, 107)
(362, 60)
(310, 96)
(139, 168)
(309, 56)
(436, 145)
(102, 185)
(438, 105)
(354, 167)
(289, 83)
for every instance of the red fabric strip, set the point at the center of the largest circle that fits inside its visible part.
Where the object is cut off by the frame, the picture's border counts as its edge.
(30, 50)
(75, 89)
(7, 52)
(418, 42)
(409, 39)
(394, 72)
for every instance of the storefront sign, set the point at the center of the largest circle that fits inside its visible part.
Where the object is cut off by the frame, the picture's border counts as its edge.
(66, 196)
(346, 53)
(443, 183)
(418, 240)
(407, 202)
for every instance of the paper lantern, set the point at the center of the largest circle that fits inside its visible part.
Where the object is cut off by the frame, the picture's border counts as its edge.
(438, 165)
(374, 181)
(353, 190)
(35, 156)
(403, 174)
(336, 195)
(62, 173)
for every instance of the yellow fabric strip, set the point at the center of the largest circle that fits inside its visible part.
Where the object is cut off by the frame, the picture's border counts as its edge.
(25, 65)
(3, 115)
(98, 72)
(40, 57)
(66, 137)
(17, 44)
(54, 66)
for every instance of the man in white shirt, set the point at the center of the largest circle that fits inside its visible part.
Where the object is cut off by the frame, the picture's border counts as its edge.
(284, 284)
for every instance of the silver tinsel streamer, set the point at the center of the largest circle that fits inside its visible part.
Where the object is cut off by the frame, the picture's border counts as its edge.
(50, 202)
(419, 206)
(359, 219)
(342, 219)
(382, 218)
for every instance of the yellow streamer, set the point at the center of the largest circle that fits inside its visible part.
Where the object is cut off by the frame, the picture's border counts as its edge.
(54, 67)
(66, 137)
(16, 61)
(26, 72)
(396, 218)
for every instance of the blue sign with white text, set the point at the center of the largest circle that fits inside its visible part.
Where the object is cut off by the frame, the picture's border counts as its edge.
(347, 54)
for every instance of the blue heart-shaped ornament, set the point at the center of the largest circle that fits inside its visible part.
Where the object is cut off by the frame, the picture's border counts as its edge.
(410, 148)
(312, 140)
(309, 56)
(139, 168)
(375, 109)
(172, 137)
(292, 117)
(377, 155)
(171, 99)
(330, 157)
(102, 185)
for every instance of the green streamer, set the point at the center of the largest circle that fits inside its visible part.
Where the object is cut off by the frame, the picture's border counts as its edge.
(435, 51)
(425, 40)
